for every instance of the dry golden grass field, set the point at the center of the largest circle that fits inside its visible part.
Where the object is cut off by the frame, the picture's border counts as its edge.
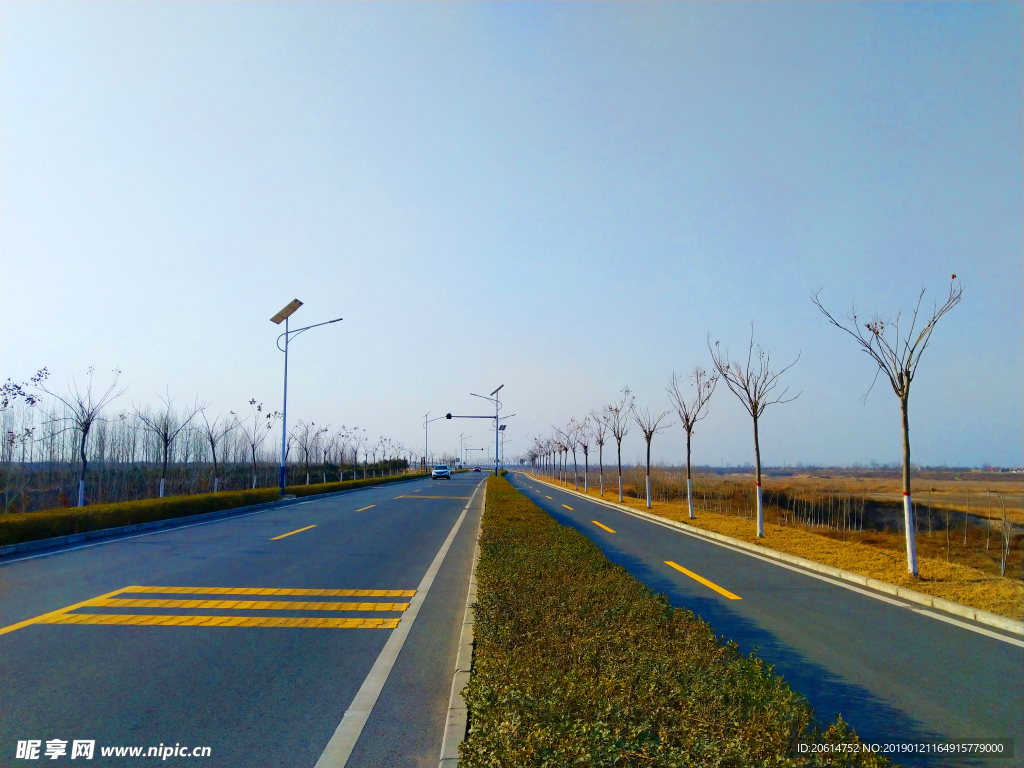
(971, 577)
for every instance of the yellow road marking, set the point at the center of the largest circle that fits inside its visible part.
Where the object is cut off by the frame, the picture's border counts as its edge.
(568, 507)
(215, 621)
(703, 581)
(433, 497)
(366, 508)
(599, 525)
(292, 533)
(39, 619)
(270, 605)
(52, 617)
(548, 497)
(261, 591)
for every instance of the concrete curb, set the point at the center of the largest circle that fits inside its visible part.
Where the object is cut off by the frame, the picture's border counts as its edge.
(458, 713)
(104, 533)
(910, 595)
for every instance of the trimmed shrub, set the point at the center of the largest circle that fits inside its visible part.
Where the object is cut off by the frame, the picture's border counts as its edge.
(30, 526)
(313, 490)
(578, 663)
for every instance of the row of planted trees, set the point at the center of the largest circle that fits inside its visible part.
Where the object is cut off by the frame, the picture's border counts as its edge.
(74, 447)
(895, 347)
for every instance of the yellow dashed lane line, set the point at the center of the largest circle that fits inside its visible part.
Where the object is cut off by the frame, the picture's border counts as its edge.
(702, 580)
(292, 533)
(266, 605)
(215, 621)
(602, 525)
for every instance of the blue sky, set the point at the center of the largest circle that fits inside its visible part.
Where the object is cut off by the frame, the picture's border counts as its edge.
(563, 198)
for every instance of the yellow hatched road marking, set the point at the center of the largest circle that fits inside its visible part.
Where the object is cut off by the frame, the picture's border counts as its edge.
(267, 605)
(366, 508)
(264, 591)
(69, 618)
(215, 621)
(292, 533)
(601, 525)
(58, 612)
(703, 581)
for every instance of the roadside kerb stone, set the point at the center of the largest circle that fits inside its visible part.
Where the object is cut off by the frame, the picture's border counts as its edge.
(458, 713)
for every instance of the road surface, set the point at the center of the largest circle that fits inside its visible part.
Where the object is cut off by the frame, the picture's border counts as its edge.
(260, 689)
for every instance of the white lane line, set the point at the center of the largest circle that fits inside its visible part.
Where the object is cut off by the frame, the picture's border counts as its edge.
(168, 529)
(339, 748)
(820, 577)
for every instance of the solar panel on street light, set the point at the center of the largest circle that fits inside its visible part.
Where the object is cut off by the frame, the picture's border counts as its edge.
(287, 312)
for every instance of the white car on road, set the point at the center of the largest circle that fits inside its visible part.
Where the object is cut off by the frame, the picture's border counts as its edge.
(441, 470)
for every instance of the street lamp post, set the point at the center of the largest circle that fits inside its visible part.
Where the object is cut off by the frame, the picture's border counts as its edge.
(426, 437)
(283, 315)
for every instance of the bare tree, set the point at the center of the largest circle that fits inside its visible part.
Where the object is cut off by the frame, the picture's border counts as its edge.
(166, 425)
(691, 410)
(585, 435)
(897, 355)
(569, 437)
(599, 428)
(617, 417)
(326, 444)
(650, 425)
(307, 433)
(358, 439)
(754, 385)
(82, 413)
(256, 433)
(214, 432)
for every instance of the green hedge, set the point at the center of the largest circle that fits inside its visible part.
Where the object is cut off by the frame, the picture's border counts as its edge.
(313, 490)
(578, 663)
(30, 526)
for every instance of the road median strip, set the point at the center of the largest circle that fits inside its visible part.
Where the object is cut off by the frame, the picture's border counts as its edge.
(577, 662)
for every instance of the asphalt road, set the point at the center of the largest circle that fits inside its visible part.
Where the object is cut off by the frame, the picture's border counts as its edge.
(256, 695)
(894, 674)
